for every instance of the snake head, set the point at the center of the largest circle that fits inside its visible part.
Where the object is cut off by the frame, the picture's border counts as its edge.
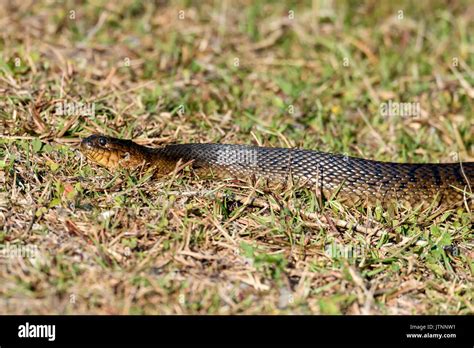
(113, 153)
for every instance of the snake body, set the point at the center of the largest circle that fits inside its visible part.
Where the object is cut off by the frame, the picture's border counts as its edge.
(352, 180)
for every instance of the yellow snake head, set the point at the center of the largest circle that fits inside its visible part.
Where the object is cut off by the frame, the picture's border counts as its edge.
(114, 153)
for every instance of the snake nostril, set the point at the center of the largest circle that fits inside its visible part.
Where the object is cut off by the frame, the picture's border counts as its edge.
(88, 142)
(85, 143)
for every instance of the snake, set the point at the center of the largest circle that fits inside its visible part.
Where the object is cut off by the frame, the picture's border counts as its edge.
(351, 180)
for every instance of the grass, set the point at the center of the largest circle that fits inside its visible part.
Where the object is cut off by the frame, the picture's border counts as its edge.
(75, 238)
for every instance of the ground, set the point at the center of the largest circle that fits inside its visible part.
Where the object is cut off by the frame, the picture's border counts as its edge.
(322, 75)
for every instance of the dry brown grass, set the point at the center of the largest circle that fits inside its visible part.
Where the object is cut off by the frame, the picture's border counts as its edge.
(119, 243)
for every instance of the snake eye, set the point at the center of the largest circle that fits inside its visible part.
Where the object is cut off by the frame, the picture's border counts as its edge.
(102, 141)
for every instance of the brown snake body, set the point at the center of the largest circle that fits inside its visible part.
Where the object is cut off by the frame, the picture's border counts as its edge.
(352, 180)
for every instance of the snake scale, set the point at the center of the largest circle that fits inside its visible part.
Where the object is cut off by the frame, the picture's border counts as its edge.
(352, 180)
